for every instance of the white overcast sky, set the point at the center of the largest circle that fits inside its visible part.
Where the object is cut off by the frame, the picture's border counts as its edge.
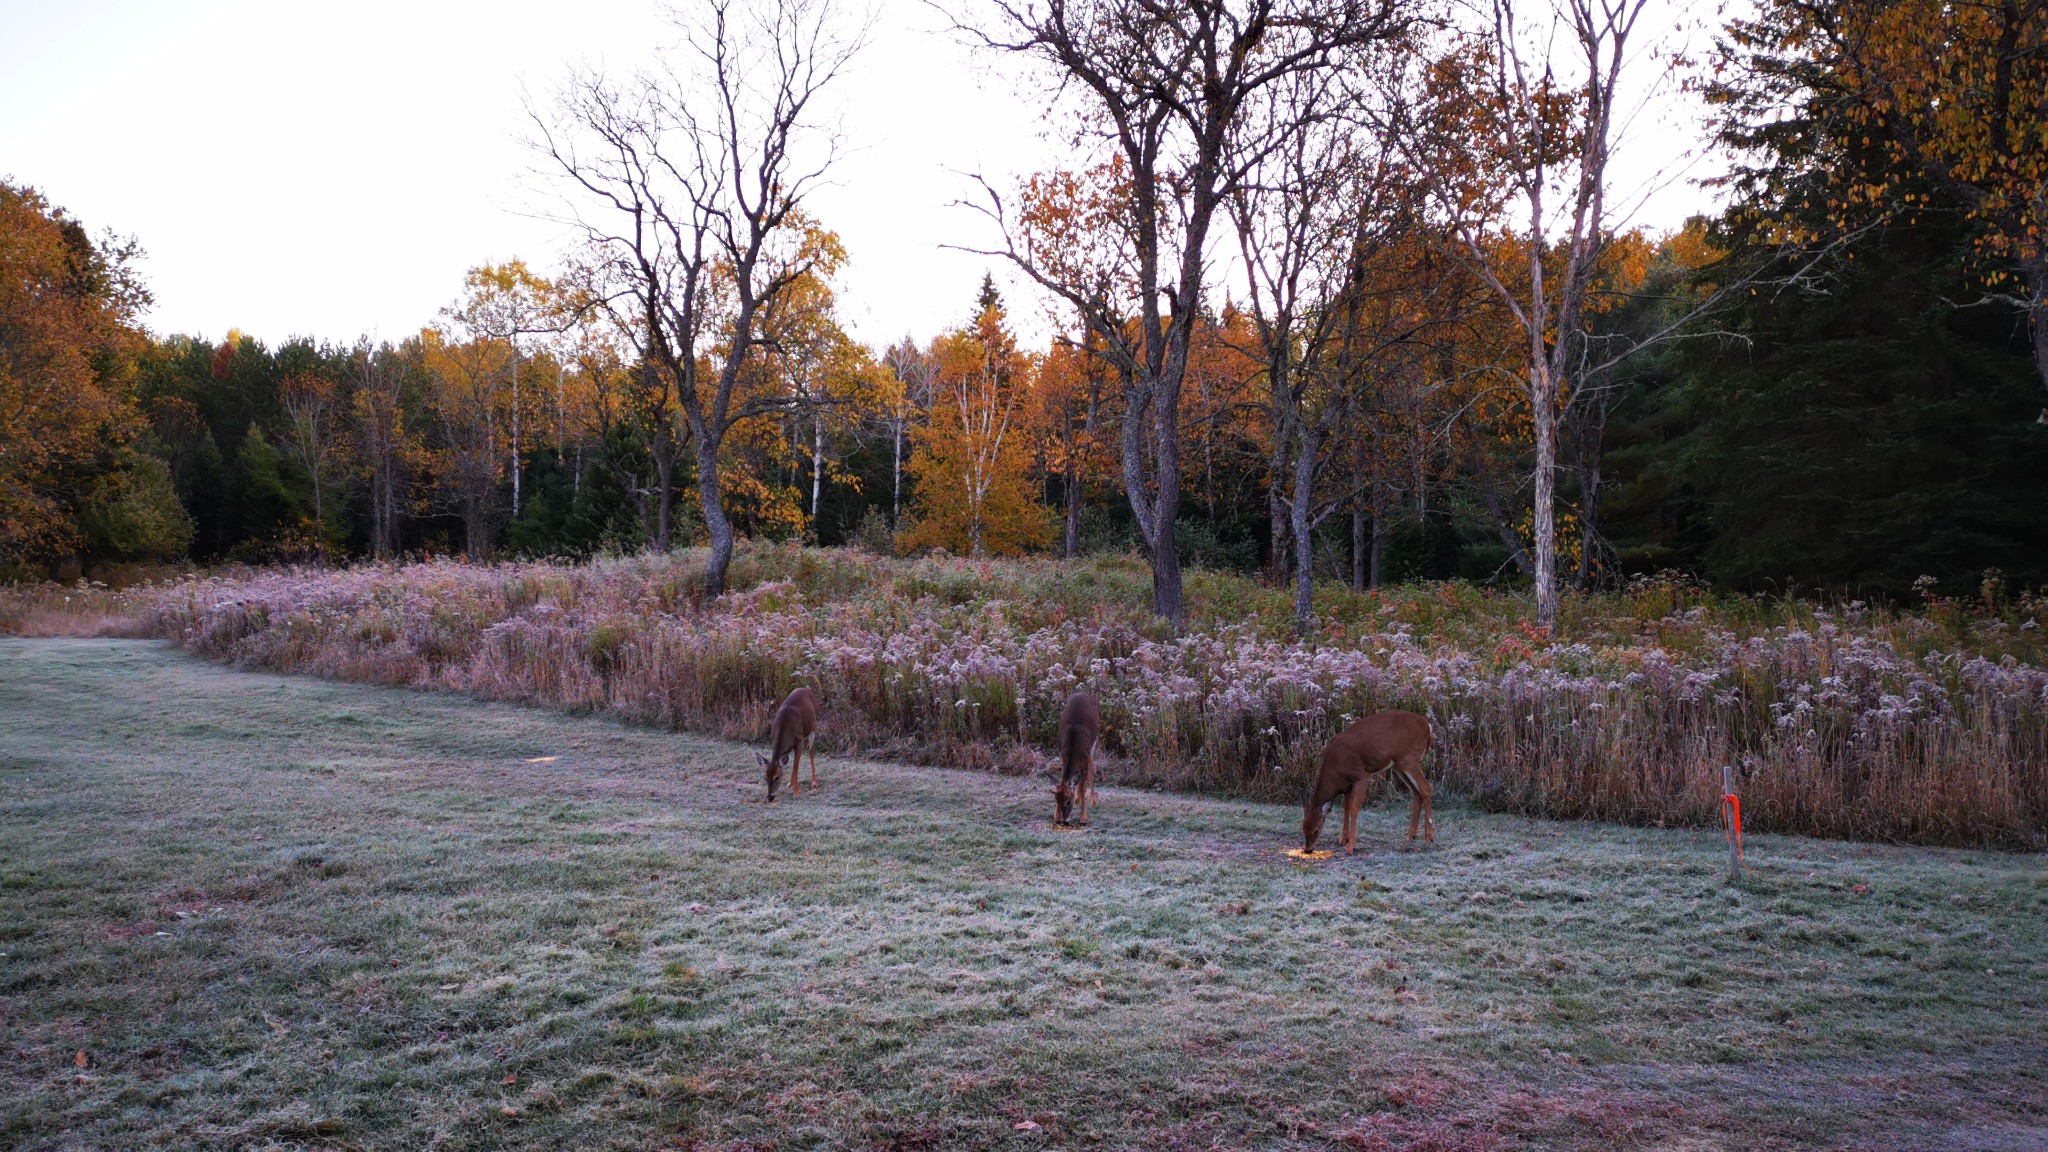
(331, 169)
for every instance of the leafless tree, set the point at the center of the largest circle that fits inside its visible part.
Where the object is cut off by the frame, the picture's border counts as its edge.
(695, 176)
(1163, 89)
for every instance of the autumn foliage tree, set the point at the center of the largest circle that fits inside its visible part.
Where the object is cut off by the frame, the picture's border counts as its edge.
(68, 338)
(972, 460)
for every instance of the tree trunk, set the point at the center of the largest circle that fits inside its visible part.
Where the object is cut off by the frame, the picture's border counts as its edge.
(1303, 531)
(1379, 537)
(1592, 459)
(715, 522)
(636, 491)
(817, 468)
(1166, 586)
(896, 476)
(376, 509)
(664, 504)
(2037, 316)
(1277, 506)
(1506, 529)
(1072, 545)
(1358, 545)
(1543, 411)
(1074, 468)
(662, 447)
(476, 538)
(516, 446)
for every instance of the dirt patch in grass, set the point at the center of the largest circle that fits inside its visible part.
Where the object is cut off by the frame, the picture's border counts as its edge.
(250, 911)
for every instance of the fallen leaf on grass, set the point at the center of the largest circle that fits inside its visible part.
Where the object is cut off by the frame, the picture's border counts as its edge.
(509, 1080)
(542, 759)
(82, 1059)
(508, 1110)
(1026, 1126)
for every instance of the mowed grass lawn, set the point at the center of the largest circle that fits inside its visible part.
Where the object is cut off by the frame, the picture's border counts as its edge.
(251, 911)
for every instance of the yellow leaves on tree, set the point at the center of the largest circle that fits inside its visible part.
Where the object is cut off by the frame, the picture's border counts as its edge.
(67, 338)
(469, 385)
(817, 381)
(972, 459)
(1899, 106)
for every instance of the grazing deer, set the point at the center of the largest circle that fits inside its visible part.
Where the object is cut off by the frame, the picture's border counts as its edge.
(792, 733)
(1080, 724)
(1355, 758)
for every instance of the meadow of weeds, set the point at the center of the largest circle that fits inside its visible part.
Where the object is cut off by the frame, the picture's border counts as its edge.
(1847, 720)
(266, 913)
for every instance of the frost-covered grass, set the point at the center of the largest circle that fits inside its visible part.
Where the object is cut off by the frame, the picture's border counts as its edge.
(1928, 726)
(289, 913)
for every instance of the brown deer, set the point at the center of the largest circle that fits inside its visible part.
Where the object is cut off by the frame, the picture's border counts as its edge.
(792, 733)
(1080, 724)
(1355, 758)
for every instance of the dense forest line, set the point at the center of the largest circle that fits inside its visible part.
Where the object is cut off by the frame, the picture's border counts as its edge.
(1822, 387)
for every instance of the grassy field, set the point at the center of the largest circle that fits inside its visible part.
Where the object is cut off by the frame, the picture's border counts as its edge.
(240, 910)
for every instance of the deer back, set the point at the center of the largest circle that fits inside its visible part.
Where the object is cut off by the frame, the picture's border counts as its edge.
(1080, 724)
(795, 719)
(1367, 746)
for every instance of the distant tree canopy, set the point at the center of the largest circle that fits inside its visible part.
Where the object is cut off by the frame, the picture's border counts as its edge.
(1836, 383)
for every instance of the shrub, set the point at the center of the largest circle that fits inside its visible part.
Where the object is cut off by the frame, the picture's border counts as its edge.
(1840, 721)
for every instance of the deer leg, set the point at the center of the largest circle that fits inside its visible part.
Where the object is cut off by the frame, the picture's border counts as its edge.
(1421, 812)
(811, 742)
(1087, 789)
(1353, 800)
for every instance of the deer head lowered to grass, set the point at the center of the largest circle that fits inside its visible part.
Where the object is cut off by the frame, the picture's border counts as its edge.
(1080, 725)
(791, 733)
(1355, 758)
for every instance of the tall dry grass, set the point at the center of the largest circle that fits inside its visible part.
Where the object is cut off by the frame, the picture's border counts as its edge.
(1929, 726)
(81, 608)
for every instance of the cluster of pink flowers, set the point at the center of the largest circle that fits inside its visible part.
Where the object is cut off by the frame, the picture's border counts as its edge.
(1832, 731)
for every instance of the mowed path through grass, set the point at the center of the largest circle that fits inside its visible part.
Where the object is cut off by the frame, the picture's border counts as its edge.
(277, 912)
